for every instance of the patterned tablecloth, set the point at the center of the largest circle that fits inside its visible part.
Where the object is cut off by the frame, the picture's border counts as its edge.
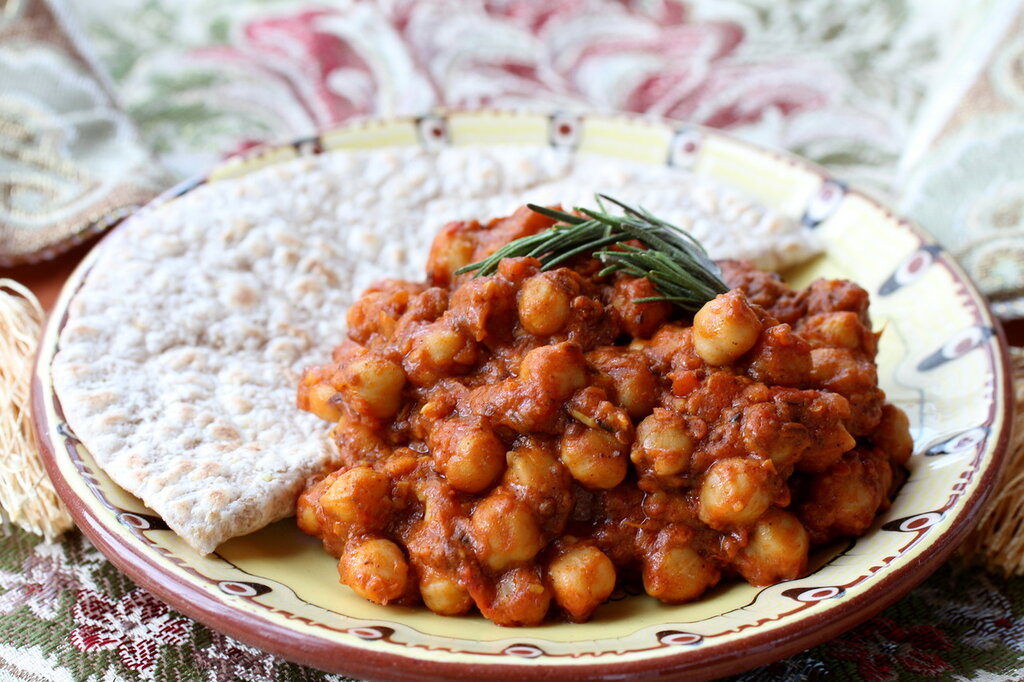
(918, 101)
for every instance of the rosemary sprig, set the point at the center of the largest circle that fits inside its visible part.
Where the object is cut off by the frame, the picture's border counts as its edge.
(675, 262)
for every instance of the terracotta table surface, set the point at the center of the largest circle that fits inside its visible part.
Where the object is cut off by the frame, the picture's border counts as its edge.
(46, 279)
(1014, 332)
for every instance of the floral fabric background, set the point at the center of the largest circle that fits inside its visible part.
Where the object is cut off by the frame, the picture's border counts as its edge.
(917, 101)
(70, 161)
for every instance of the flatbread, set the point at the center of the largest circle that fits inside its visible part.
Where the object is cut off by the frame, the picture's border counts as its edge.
(178, 364)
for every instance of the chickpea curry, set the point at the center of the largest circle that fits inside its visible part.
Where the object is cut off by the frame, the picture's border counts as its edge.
(525, 440)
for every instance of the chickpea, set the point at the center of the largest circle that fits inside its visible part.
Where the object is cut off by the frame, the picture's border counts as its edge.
(735, 491)
(637, 393)
(373, 385)
(321, 399)
(533, 468)
(375, 570)
(841, 329)
(627, 376)
(544, 304)
(439, 508)
(823, 296)
(453, 247)
(844, 499)
(504, 531)
(777, 549)
(483, 308)
(520, 598)
(443, 594)
(401, 463)
(856, 506)
(636, 396)
(675, 572)
(316, 393)
(781, 356)
(377, 311)
(518, 269)
(542, 482)
(768, 435)
(519, 407)
(442, 345)
(594, 457)
(357, 440)
(306, 519)
(360, 497)
(725, 328)
(306, 506)
(667, 507)
(670, 344)
(830, 442)
(590, 407)
(468, 453)
(844, 371)
(826, 416)
(663, 444)
(639, 320)
(556, 370)
(581, 578)
(438, 352)
(893, 434)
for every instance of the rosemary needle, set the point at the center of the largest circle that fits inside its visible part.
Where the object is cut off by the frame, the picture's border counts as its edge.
(675, 263)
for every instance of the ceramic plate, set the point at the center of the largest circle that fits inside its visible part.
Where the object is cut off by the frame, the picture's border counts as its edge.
(941, 359)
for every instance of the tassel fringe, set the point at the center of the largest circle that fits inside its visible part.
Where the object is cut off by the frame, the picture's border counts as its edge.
(27, 497)
(997, 541)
